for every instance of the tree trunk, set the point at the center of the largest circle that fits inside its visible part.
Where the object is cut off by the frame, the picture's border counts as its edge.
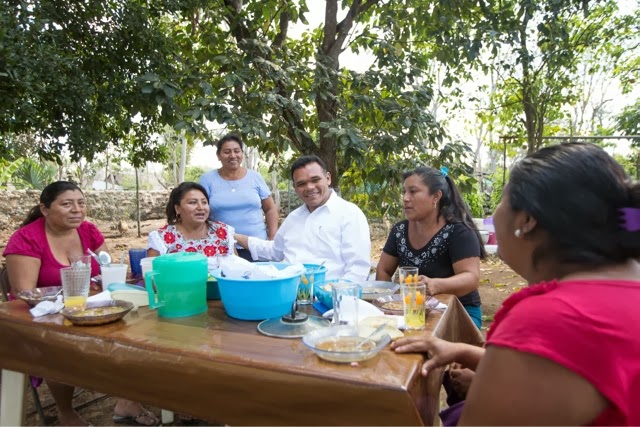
(528, 102)
(106, 171)
(276, 192)
(138, 202)
(183, 158)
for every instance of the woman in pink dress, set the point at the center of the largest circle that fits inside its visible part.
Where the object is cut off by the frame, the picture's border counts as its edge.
(53, 231)
(566, 349)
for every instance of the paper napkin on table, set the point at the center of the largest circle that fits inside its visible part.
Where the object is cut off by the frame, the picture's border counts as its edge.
(102, 296)
(440, 306)
(47, 307)
(365, 309)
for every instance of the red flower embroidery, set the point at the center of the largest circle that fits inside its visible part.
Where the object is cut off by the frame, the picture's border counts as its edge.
(191, 249)
(221, 233)
(199, 247)
(169, 238)
(178, 246)
(209, 250)
(223, 250)
(217, 242)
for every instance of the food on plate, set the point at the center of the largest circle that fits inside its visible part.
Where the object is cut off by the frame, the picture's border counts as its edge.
(99, 311)
(375, 321)
(369, 324)
(393, 305)
(345, 344)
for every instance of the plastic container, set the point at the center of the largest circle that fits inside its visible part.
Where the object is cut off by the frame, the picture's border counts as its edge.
(213, 292)
(247, 299)
(324, 295)
(177, 285)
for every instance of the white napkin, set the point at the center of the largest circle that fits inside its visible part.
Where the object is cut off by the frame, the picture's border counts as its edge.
(440, 306)
(47, 307)
(235, 267)
(102, 296)
(365, 309)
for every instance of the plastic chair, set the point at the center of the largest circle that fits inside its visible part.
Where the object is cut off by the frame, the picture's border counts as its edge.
(6, 289)
(4, 283)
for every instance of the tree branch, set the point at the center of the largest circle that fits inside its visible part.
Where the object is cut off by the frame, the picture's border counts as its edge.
(282, 34)
(343, 28)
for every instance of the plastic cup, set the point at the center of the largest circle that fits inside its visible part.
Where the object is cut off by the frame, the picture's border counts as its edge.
(75, 286)
(408, 275)
(305, 287)
(135, 256)
(414, 298)
(345, 303)
(113, 273)
(146, 265)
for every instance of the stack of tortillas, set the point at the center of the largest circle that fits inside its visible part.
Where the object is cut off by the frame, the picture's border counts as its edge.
(367, 325)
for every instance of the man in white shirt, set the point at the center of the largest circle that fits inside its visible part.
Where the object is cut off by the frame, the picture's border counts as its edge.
(325, 228)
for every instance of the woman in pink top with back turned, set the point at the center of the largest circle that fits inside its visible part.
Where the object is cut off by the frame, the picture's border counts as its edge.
(54, 230)
(566, 349)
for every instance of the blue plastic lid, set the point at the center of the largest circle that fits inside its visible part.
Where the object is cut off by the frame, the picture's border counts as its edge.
(123, 287)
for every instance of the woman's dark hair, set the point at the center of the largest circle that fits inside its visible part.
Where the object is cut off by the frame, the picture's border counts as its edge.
(48, 195)
(229, 137)
(176, 196)
(574, 191)
(451, 206)
(306, 160)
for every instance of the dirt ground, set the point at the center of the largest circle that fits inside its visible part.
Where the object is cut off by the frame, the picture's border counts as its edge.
(497, 282)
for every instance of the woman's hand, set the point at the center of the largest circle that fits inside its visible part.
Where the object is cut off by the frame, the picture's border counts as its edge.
(441, 352)
(432, 286)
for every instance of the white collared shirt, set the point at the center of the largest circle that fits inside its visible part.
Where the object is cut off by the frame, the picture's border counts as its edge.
(336, 232)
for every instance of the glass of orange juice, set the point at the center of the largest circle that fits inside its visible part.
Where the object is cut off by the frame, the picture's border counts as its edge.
(413, 303)
(75, 286)
(408, 275)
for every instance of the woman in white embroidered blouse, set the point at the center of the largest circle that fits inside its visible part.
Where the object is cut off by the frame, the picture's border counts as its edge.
(188, 227)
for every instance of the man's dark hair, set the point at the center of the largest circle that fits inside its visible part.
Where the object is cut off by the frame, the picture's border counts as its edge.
(304, 161)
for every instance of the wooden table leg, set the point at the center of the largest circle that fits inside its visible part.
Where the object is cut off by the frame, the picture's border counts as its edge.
(12, 398)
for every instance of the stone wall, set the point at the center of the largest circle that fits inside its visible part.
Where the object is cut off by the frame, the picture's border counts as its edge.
(113, 206)
(102, 205)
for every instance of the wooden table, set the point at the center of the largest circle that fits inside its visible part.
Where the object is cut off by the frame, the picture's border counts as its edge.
(218, 368)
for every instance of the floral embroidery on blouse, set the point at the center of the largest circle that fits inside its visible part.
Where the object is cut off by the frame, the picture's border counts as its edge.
(216, 243)
(437, 245)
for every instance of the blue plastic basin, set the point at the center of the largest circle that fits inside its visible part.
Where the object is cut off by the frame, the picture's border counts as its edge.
(258, 299)
(318, 271)
(326, 297)
(213, 293)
